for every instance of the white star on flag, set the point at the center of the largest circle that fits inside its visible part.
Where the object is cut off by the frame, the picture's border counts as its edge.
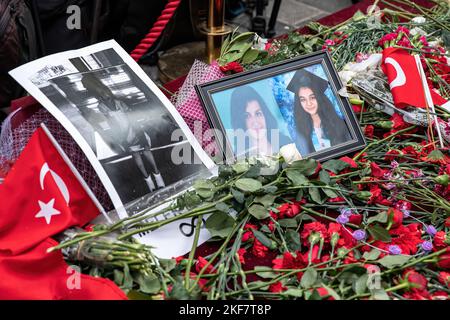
(47, 210)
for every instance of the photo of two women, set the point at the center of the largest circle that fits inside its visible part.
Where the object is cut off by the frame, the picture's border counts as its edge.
(298, 107)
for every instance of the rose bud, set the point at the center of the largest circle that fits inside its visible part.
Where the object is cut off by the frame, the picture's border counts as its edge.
(442, 180)
(444, 259)
(364, 195)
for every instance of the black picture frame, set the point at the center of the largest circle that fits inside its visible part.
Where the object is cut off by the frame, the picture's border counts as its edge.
(206, 90)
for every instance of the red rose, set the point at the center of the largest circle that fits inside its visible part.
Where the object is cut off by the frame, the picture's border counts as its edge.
(415, 279)
(289, 210)
(277, 287)
(233, 67)
(323, 293)
(337, 199)
(396, 216)
(440, 295)
(444, 278)
(350, 161)
(417, 295)
(444, 260)
(439, 240)
(376, 171)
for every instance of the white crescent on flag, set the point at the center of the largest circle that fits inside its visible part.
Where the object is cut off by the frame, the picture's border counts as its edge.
(400, 79)
(58, 180)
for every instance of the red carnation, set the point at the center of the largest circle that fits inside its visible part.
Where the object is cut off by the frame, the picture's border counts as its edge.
(369, 130)
(201, 263)
(392, 155)
(259, 249)
(241, 253)
(417, 295)
(447, 222)
(289, 261)
(232, 67)
(313, 228)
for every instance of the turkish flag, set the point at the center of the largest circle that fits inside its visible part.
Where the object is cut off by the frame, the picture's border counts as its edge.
(38, 275)
(40, 197)
(404, 78)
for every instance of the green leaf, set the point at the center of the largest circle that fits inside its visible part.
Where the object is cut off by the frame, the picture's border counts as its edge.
(248, 185)
(288, 223)
(118, 277)
(446, 38)
(324, 176)
(314, 193)
(297, 178)
(380, 217)
(204, 188)
(358, 16)
(148, 284)
(270, 189)
(240, 167)
(296, 293)
(219, 224)
(250, 56)
(265, 272)
(238, 196)
(255, 284)
(259, 212)
(372, 255)
(292, 238)
(380, 294)
(335, 166)
(330, 193)
(393, 261)
(127, 278)
(309, 278)
(266, 200)
(223, 207)
(136, 295)
(305, 166)
(379, 233)
(168, 264)
(360, 285)
(264, 239)
(300, 195)
(179, 291)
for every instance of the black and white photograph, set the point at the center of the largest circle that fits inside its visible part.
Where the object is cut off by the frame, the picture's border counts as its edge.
(255, 113)
(137, 143)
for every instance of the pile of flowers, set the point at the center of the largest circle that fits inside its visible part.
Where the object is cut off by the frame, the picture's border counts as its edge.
(370, 225)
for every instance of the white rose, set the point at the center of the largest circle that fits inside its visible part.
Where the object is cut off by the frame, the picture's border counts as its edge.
(419, 19)
(290, 153)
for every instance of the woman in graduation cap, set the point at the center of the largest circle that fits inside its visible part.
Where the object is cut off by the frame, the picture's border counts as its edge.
(250, 113)
(317, 123)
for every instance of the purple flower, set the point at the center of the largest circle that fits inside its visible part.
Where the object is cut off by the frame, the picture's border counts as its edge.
(427, 246)
(406, 213)
(394, 249)
(431, 230)
(359, 235)
(394, 164)
(346, 212)
(342, 219)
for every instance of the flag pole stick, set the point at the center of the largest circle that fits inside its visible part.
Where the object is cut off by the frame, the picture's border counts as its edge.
(428, 98)
(75, 172)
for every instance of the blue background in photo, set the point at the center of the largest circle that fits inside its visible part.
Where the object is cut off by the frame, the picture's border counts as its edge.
(263, 87)
(285, 98)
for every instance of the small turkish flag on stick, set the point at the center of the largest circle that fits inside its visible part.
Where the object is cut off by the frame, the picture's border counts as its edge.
(428, 98)
(42, 196)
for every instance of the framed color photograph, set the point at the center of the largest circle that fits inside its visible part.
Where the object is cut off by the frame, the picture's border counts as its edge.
(295, 102)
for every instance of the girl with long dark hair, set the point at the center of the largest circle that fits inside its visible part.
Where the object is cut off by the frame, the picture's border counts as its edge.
(250, 113)
(317, 123)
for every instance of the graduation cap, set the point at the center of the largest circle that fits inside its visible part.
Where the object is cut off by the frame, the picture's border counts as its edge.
(303, 78)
